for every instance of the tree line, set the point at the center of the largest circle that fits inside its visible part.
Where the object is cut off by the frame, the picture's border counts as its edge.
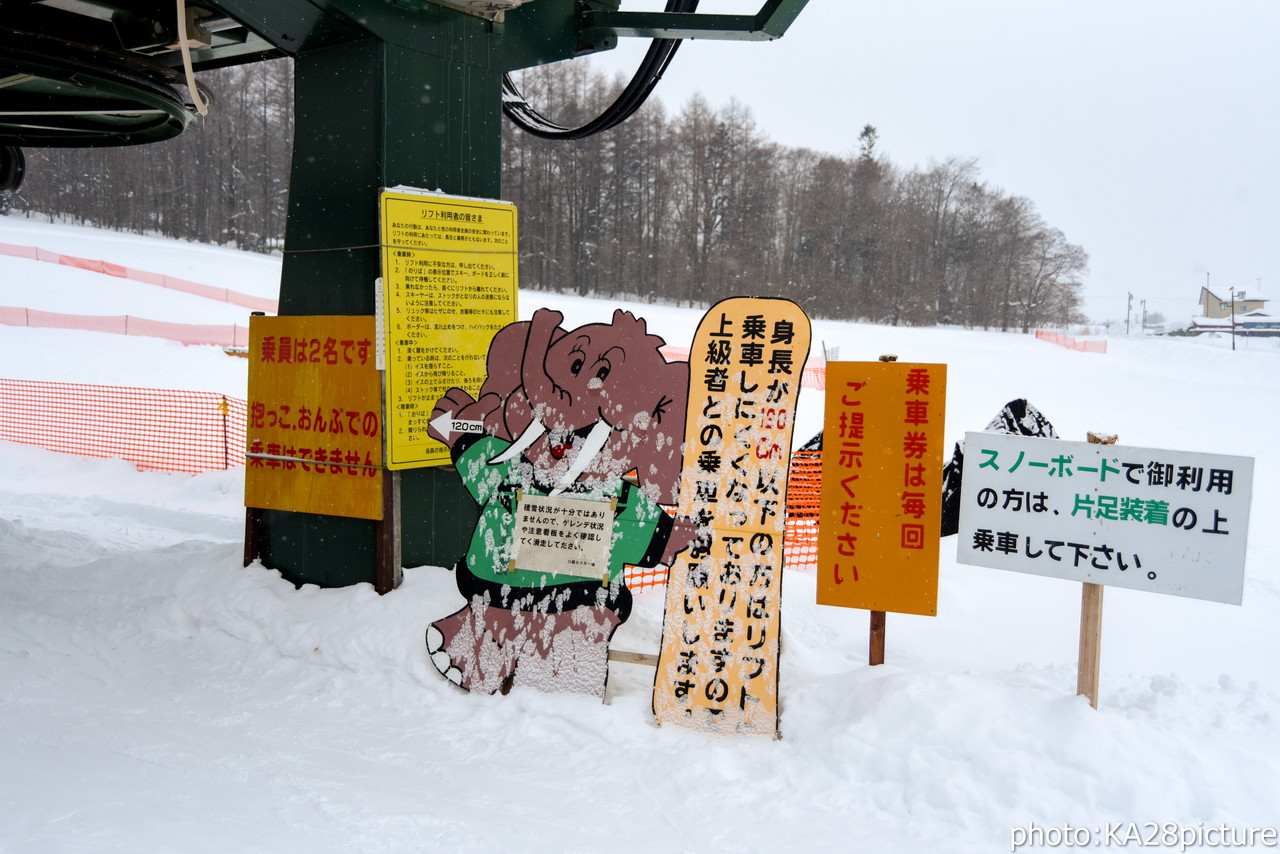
(686, 207)
(225, 180)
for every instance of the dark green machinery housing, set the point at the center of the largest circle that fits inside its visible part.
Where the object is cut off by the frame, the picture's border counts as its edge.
(387, 93)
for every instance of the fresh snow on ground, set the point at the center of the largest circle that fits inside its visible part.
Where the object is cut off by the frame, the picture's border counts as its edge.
(155, 696)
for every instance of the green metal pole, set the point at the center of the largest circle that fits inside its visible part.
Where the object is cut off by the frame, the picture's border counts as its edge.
(370, 114)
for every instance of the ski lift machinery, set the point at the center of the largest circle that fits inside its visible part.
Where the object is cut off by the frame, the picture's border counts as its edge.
(84, 73)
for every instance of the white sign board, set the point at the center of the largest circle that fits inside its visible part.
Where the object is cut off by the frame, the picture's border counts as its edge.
(1163, 521)
(563, 536)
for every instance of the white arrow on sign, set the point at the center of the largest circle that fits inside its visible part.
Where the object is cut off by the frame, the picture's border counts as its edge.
(446, 425)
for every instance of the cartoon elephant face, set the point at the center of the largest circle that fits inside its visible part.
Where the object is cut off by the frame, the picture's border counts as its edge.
(593, 403)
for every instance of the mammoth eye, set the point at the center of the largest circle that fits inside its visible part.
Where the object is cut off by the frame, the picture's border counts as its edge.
(602, 373)
(576, 367)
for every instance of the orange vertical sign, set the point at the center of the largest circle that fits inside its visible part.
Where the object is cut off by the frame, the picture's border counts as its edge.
(315, 416)
(718, 666)
(881, 514)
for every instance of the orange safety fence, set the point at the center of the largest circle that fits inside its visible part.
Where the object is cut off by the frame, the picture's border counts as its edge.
(1071, 343)
(804, 492)
(224, 335)
(194, 431)
(35, 253)
(189, 431)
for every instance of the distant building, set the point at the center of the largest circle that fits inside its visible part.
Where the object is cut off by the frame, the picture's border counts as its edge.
(1250, 318)
(1214, 306)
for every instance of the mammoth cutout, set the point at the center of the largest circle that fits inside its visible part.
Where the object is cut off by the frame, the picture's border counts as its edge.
(575, 436)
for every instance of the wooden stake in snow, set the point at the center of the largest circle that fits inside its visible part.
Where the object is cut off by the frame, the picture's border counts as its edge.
(1089, 663)
(1090, 642)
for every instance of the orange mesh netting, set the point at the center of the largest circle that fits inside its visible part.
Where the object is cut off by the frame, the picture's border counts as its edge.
(804, 496)
(804, 491)
(1071, 343)
(195, 431)
(123, 324)
(35, 253)
(191, 431)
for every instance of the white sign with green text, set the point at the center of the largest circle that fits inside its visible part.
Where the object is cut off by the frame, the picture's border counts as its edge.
(1171, 522)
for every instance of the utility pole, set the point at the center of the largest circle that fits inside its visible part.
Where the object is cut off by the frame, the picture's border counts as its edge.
(1128, 310)
(1233, 318)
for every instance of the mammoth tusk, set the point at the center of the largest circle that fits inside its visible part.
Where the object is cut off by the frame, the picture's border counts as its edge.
(522, 443)
(591, 447)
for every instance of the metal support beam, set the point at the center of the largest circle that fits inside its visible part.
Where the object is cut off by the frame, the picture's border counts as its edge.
(769, 23)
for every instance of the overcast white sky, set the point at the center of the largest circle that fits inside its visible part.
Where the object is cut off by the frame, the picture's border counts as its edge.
(1144, 130)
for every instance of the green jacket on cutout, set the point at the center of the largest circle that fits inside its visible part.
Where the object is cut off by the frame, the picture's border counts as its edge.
(640, 532)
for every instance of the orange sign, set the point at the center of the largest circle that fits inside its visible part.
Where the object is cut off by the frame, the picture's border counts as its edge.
(881, 516)
(718, 667)
(315, 416)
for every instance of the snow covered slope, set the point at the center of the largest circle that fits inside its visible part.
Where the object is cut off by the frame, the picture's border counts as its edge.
(157, 697)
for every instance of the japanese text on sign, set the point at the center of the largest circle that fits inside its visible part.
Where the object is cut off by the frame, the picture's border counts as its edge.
(315, 417)
(719, 664)
(1166, 521)
(882, 486)
(449, 283)
(563, 536)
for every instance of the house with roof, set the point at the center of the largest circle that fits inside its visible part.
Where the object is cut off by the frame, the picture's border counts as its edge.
(1214, 306)
(1248, 316)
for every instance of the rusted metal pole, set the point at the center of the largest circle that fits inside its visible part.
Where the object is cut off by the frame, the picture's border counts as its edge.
(876, 646)
(388, 572)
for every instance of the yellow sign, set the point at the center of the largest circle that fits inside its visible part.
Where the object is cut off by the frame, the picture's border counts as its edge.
(315, 417)
(881, 514)
(718, 667)
(449, 271)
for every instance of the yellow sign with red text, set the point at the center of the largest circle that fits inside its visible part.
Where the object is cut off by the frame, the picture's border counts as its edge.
(315, 416)
(881, 515)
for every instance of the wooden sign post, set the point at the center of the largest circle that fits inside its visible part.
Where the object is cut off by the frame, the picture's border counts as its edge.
(1088, 668)
(1089, 664)
(1161, 521)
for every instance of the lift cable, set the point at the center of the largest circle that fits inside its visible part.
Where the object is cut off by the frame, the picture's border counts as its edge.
(651, 69)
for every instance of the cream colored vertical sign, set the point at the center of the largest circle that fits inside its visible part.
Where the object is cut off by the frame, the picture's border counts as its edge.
(881, 514)
(449, 281)
(718, 666)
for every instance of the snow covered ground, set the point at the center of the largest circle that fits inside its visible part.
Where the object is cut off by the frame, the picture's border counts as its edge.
(155, 696)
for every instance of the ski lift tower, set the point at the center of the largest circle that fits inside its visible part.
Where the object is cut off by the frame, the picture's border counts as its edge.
(387, 93)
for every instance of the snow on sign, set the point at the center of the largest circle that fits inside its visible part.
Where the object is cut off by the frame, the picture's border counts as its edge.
(718, 664)
(1164, 521)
